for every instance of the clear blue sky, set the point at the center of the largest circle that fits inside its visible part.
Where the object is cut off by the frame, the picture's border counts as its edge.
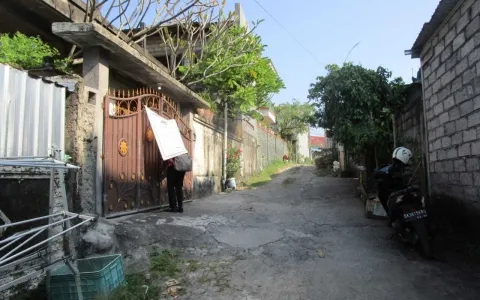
(329, 29)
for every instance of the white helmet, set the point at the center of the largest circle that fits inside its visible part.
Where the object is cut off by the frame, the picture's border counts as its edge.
(402, 154)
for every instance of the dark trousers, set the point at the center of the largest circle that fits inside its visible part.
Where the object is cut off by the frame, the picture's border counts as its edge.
(175, 187)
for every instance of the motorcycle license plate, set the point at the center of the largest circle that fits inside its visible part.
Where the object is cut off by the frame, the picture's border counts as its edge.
(415, 215)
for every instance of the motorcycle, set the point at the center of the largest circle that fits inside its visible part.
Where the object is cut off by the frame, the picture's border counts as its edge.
(406, 210)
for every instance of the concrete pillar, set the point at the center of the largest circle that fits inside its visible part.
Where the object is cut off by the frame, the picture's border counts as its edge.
(96, 80)
(341, 157)
(240, 16)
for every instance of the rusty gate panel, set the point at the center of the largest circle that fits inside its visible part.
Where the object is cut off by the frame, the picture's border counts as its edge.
(119, 168)
(134, 174)
(153, 179)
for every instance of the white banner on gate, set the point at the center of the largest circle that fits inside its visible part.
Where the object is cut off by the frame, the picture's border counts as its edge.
(167, 135)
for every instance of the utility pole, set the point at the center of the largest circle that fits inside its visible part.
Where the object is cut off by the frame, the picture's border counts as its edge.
(225, 145)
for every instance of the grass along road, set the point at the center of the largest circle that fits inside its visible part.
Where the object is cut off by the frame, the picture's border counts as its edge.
(267, 174)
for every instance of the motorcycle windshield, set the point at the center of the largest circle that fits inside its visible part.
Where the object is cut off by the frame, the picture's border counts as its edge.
(382, 172)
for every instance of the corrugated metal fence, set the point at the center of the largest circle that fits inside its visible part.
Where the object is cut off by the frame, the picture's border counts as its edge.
(32, 115)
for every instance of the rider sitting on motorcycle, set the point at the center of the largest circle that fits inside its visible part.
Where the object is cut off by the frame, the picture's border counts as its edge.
(392, 177)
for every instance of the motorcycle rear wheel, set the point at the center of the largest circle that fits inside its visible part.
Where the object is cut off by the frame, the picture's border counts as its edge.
(420, 227)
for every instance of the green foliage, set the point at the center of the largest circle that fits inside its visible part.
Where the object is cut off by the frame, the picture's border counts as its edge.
(193, 265)
(293, 118)
(267, 174)
(355, 105)
(25, 52)
(324, 161)
(231, 68)
(292, 150)
(255, 114)
(307, 160)
(137, 286)
(165, 263)
(233, 162)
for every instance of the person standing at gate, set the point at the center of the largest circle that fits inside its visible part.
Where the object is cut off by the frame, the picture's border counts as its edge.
(174, 187)
(176, 169)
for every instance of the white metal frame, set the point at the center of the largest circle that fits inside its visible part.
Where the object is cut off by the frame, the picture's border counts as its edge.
(36, 162)
(17, 244)
(32, 233)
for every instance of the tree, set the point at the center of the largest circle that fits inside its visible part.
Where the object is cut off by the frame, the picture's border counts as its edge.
(232, 73)
(232, 69)
(185, 38)
(355, 105)
(135, 20)
(139, 19)
(293, 118)
(28, 53)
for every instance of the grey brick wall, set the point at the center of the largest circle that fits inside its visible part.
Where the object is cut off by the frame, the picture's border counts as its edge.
(451, 70)
(271, 148)
(409, 128)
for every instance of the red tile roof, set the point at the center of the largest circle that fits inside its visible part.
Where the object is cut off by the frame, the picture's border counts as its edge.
(318, 141)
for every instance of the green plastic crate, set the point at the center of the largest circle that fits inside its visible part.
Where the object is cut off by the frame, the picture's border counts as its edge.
(99, 276)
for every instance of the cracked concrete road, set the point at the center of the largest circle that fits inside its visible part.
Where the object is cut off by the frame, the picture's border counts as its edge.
(298, 237)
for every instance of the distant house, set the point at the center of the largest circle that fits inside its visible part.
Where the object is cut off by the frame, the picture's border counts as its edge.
(317, 144)
(268, 114)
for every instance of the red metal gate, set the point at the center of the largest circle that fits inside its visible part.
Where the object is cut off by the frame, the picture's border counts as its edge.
(134, 177)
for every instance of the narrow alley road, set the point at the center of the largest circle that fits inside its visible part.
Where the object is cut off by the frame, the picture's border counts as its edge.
(299, 237)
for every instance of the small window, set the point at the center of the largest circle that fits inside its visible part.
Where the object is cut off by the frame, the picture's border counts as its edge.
(92, 98)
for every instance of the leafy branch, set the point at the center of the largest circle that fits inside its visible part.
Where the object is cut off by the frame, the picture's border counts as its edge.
(28, 53)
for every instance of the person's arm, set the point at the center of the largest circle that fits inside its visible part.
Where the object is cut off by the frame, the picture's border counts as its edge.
(170, 162)
(166, 163)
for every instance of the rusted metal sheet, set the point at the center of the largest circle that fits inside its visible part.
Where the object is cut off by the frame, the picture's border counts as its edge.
(135, 178)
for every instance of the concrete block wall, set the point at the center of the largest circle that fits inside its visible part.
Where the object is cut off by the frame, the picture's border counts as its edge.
(81, 145)
(410, 133)
(250, 164)
(409, 119)
(249, 155)
(451, 72)
(271, 148)
(208, 157)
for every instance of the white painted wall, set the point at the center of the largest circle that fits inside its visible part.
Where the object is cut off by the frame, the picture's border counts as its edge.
(241, 19)
(304, 145)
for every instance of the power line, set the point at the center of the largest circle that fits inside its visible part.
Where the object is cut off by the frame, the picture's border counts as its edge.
(289, 33)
